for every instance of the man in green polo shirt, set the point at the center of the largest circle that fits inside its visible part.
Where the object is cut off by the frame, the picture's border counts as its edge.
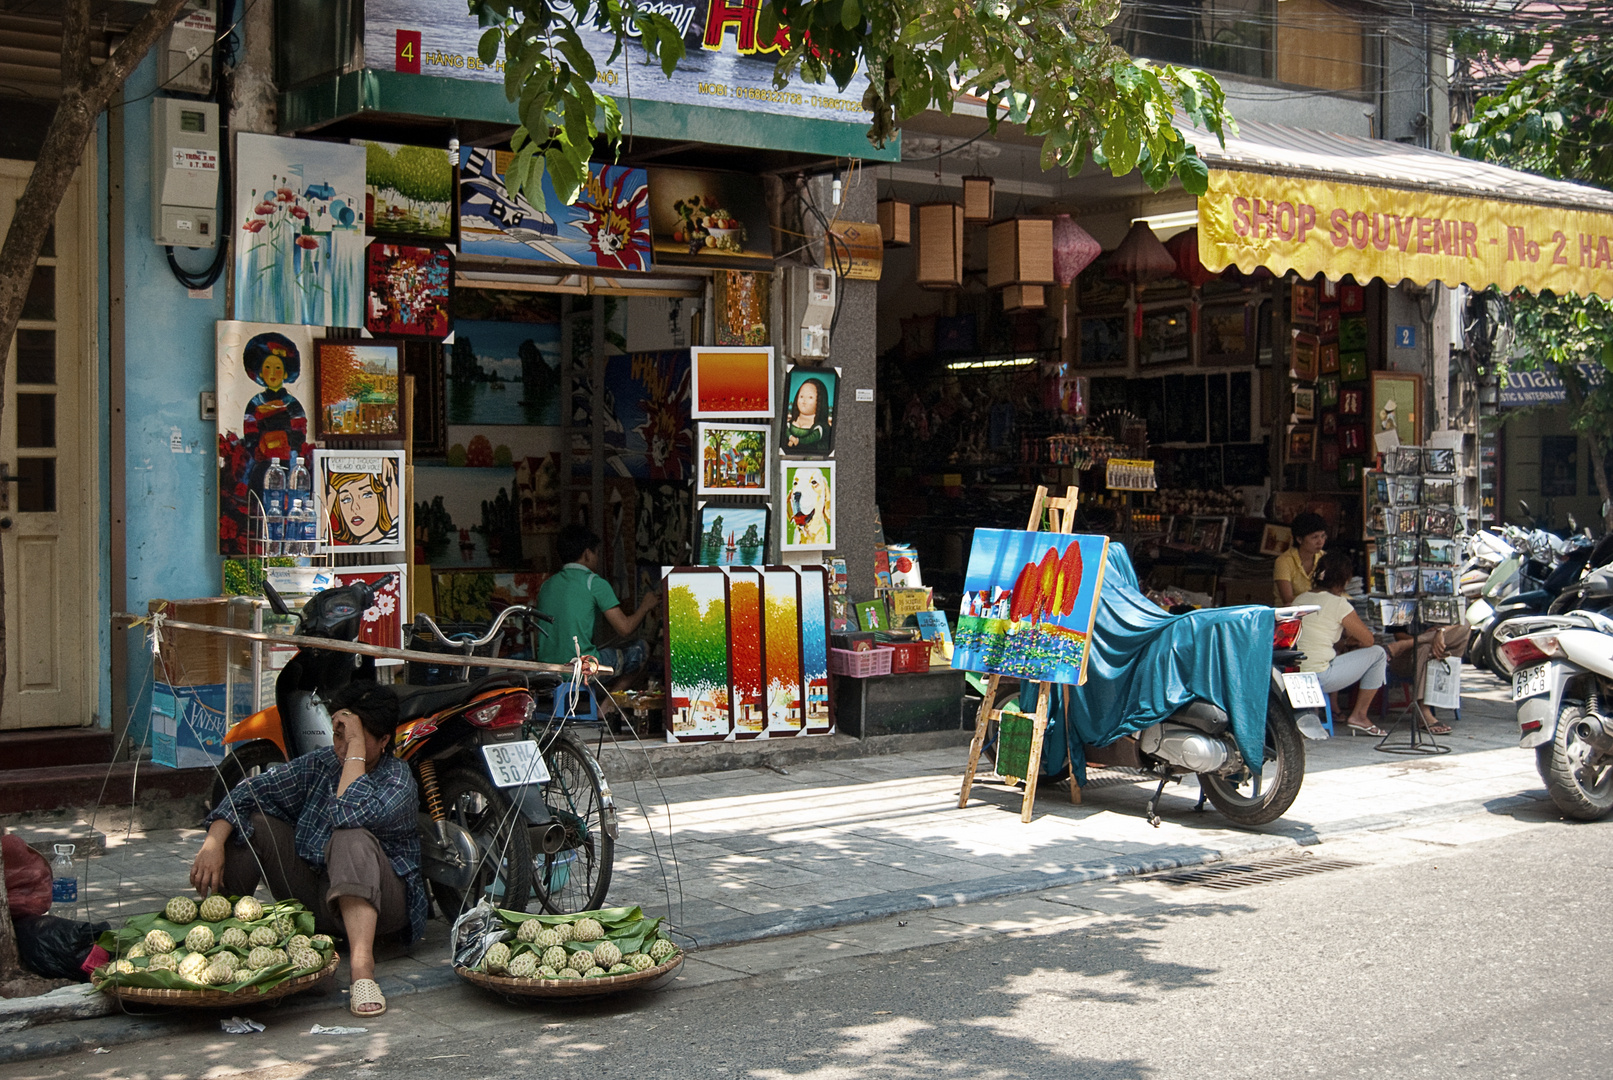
(575, 597)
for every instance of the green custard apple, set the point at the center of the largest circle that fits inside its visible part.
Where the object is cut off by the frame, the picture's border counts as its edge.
(248, 909)
(282, 957)
(662, 951)
(594, 972)
(261, 957)
(588, 930)
(123, 967)
(568, 973)
(524, 966)
(284, 926)
(194, 968)
(246, 975)
(219, 974)
(497, 958)
(163, 962)
(554, 956)
(607, 955)
(200, 939)
(224, 959)
(580, 961)
(528, 931)
(546, 938)
(306, 960)
(181, 909)
(547, 972)
(235, 938)
(638, 961)
(322, 942)
(158, 941)
(620, 969)
(263, 935)
(136, 951)
(565, 932)
(215, 908)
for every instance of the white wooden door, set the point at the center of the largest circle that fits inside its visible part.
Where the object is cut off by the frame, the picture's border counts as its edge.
(47, 502)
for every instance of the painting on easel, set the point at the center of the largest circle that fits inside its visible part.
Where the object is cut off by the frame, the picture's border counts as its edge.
(1028, 604)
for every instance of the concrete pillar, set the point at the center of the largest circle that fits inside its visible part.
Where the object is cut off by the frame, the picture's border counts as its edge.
(252, 94)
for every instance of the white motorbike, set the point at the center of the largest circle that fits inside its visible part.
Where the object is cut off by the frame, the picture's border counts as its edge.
(1562, 683)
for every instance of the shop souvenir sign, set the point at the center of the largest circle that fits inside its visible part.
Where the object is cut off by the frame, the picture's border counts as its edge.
(407, 291)
(358, 390)
(299, 231)
(409, 191)
(731, 383)
(732, 535)
(1029, 600)
(735, 459)
(359, 499)
(607, 227)
(809, 506)
(265, 387)
(810, 396)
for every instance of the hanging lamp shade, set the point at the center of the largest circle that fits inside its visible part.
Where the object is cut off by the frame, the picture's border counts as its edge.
(1020, 252)
(1024, 297)
(1184, 248)
(1073, 249)
(895, 222)
(1140, 257)
(940, 246)
(978, 198)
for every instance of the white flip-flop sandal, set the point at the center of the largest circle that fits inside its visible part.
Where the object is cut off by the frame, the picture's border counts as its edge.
(365, 992)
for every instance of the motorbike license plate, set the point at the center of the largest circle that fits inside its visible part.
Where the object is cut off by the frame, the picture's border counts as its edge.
(1530, 682)
(515, 763)
(1304, 690)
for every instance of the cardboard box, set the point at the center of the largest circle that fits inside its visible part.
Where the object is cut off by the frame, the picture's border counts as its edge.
(187, 725)
(193, 657)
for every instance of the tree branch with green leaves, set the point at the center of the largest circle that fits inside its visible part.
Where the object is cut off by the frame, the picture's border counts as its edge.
(1049, 65)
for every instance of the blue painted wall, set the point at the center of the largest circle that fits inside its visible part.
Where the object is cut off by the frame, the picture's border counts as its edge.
(171, 497)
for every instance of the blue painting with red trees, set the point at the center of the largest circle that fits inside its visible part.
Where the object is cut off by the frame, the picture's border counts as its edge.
(1029, 599)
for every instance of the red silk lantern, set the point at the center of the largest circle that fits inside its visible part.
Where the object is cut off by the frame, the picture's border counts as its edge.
(1140, 258)
(1184, 248)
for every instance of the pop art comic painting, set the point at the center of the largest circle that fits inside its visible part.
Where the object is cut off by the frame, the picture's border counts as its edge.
(608, 226)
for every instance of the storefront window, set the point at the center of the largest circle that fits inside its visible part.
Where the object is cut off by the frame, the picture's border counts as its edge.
(1236, 36)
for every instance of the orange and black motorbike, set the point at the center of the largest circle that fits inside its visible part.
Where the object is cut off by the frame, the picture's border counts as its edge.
(484, 778)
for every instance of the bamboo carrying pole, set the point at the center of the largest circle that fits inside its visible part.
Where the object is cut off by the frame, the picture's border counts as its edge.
(1061, 514)
(362, 649)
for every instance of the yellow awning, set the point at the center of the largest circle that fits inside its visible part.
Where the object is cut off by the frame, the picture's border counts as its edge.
(1319, 203)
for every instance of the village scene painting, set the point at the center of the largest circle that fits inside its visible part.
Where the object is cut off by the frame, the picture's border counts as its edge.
(734, 459)
(1028, 604)
(358, 390)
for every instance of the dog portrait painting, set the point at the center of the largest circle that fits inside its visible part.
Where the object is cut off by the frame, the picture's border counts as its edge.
(809, 506)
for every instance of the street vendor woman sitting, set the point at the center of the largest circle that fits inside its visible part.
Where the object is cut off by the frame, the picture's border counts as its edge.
(575, 597)
(334, 829)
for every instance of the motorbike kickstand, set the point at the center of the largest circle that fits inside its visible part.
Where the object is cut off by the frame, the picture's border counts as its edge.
(1204, 794)
(1153, 803)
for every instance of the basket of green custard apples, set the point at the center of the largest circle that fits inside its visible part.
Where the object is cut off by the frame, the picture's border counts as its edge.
(223, 951)
(593, 952)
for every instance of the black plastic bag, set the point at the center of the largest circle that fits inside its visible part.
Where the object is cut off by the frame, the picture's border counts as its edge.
(55, 948)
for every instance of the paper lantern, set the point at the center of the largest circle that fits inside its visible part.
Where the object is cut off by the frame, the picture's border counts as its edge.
(940, 246)
(896, 222)
(1073, 249)
(978, 195)
(1024, 297)
(1140, 257)
(1184, 248)
(1020, 252)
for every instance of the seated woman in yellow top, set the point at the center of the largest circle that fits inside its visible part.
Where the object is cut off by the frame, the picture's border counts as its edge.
(1297, 566)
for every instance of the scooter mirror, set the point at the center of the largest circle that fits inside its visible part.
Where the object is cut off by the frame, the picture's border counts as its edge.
(275, 602)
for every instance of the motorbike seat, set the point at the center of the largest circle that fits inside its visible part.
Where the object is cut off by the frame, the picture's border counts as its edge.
(415, 702)
(1203, 716)
(1534, 598)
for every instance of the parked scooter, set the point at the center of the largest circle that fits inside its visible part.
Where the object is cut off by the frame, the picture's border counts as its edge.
(480, 778)
(1562, 682)
(1198, 739)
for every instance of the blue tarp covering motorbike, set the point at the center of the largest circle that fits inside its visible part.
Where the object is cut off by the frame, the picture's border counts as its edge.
(1144, 663)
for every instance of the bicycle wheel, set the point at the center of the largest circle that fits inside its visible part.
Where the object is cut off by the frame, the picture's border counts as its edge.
(577, 877)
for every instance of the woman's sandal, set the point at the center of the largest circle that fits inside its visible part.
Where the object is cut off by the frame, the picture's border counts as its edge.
(366, 992)
(1370, 729)
(1435, 728)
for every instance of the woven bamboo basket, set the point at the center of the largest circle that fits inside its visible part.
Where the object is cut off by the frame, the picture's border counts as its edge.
(219, 999)
(568, 988)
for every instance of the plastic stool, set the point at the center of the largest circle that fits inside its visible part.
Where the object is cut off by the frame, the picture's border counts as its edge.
(567, 705)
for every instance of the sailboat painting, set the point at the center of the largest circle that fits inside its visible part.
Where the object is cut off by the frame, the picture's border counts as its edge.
(732, 535)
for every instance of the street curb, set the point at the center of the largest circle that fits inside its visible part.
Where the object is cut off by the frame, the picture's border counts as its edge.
(82, 1035)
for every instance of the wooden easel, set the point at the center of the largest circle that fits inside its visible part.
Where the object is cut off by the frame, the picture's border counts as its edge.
(1062, 518)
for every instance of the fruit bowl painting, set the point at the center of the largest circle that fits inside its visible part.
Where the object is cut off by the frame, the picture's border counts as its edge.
(1029, 599)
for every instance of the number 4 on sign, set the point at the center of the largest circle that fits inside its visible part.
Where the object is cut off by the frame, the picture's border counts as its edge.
(407, 57)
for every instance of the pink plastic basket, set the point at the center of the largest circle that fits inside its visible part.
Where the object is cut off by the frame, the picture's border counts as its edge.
(860, 665)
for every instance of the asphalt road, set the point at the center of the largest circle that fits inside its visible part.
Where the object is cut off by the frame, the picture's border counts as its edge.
(1473, 949)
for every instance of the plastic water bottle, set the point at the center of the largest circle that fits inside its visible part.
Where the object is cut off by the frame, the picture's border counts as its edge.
(300, 527)
(274, 507)
(64, 875)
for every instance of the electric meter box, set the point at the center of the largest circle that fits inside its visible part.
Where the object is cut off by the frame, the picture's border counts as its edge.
(185, 54)
(811, 311)
(184, 173)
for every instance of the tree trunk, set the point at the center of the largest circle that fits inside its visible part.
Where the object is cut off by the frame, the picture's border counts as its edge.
(86, 90)
(1598, 447)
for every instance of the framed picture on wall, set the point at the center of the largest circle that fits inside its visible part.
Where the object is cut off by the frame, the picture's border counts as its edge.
(1224, 333)
(1302, 442)
(1352, 402)
(1304, 404)
(1302, 305)
(734, 459)
(1327, 358)
(359, 500)
(1165, 337)
(731, 382)
(358, 390)
(1102, 341)
(1353, 366)
(810, 397)
(1305, 357)
(1327, 392)
(1397, 405)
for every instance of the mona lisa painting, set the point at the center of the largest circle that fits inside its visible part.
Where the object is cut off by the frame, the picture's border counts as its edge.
(359, 499)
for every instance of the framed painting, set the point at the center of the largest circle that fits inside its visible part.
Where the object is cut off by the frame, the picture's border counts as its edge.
(809, 506)
(1397, 405)
(731, 383)
(1304, 404)
(698, 664)
(731, 535)
(265, 376)
(1303, 303)
(1327, 321)
(359, 500)
(408, 191)
(408, 291)
(1305, 357)
(1353, 438)
(1029, 599)
(648, 436)
(1353, 366)
(703, 217)
(1302, 442)
(1165, 337)
(1101, 341)
(1224, 335)
(741, 299)
(781, 663)
(358, 390)
(1327, 358)
(1327, 392)
(735, 459)
(747, 684)
(1352, 402)
(608, 226)
(1330, 422)
(810, 396)
(1352, 298)
(1276, 539)
(504, 373)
